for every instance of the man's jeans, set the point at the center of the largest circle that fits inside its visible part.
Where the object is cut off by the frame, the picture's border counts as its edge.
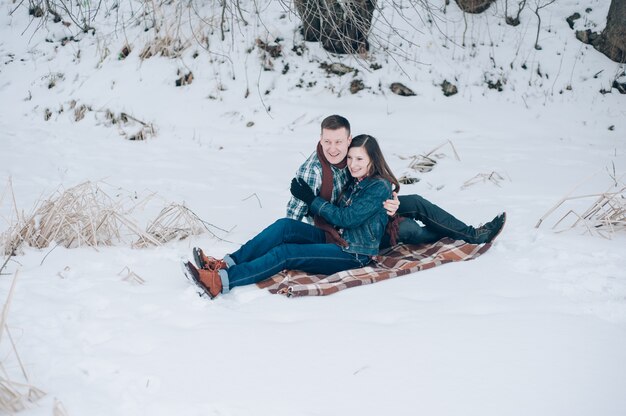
(437, 224)
(286, 244)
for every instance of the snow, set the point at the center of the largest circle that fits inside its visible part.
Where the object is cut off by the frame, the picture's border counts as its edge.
(536, 326)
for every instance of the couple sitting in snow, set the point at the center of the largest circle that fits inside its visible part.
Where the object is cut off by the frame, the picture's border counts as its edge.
(344, 208)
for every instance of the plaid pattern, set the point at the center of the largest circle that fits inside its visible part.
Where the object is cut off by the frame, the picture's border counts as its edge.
(311, 172)
(397, 261)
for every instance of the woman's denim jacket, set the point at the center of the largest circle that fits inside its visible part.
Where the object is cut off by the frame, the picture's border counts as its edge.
(360, 215)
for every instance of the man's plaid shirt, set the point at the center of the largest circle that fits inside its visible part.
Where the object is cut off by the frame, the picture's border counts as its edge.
(311, 172)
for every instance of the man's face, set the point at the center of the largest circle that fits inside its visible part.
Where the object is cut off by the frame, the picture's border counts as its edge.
(335, 144)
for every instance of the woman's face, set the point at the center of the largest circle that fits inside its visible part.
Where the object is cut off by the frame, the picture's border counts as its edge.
(358, 162)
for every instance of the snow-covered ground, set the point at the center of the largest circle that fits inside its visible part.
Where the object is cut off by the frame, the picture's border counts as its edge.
(536, 326)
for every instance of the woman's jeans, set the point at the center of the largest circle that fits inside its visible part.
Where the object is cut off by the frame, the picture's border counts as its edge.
(437, 224)
(286, 244)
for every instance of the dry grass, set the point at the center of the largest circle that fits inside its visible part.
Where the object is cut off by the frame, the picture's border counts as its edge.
(128, 126)
(167, 46)
(605, 215)
(408, 179)
(493, 177)
(13, 238)
(174, 222)
(15, 396)
(85, 215)
(426, 162)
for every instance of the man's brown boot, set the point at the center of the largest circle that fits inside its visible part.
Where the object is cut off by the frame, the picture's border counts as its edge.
(207, 262)
(208, 280)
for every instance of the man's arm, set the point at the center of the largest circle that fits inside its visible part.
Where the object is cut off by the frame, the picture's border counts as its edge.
(312, 175)
(392, 205)
(296, 209)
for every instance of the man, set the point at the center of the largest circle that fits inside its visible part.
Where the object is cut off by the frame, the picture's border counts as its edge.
(330, 158)
(326, 173)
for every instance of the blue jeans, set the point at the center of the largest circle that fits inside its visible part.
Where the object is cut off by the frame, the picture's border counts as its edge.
(286, 244)
(438, 223)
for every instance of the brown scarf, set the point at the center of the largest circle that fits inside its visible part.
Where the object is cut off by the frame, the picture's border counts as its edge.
(326, 192)
(393, 229)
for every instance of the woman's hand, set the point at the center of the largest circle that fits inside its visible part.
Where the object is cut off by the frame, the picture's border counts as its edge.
(392, 205)
(301, 190)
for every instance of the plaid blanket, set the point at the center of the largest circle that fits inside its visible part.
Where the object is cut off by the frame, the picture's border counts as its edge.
(397, 261)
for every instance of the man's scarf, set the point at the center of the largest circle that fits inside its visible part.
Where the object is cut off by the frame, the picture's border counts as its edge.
(326, 192)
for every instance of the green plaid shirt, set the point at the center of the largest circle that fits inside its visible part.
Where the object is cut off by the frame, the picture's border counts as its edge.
(311, 172)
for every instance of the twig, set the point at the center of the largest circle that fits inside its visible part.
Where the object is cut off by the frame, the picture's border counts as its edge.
(16, 7)
(209, 224)
(6, 327)
(257, 198)
(134, 119)
(7, 304)
(222, 20)
(50, 251)
(131, 276)
(5, 262)
(456, 155)
(494, 177)
(536, 11)
(59, 409)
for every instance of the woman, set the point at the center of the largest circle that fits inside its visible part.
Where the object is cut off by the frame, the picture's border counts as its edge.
(359, 223)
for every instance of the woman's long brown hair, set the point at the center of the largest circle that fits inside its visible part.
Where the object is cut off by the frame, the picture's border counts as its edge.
(378, 168)
(378, 164)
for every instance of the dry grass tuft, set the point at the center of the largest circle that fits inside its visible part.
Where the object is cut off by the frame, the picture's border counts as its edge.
(12, 238)
(128, 126)
(174, 222)
(493, 177)
(605, 216)
(167, 46)
(15, 397)
(85, 215)
(426, 162)
(80, 216)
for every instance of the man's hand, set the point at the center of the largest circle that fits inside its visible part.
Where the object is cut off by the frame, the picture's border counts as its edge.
(301, 190)
(392, 205)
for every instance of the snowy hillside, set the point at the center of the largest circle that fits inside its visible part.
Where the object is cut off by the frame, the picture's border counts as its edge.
(536, 326)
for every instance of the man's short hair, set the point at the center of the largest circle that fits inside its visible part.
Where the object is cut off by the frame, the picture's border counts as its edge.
(336, 122)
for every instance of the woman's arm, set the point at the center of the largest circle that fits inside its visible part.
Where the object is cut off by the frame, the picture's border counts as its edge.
(367, 203)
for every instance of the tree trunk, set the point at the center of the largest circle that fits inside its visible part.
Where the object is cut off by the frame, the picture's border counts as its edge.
(309, 12)
(474, 6)
(341, 26)
(612, 40)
